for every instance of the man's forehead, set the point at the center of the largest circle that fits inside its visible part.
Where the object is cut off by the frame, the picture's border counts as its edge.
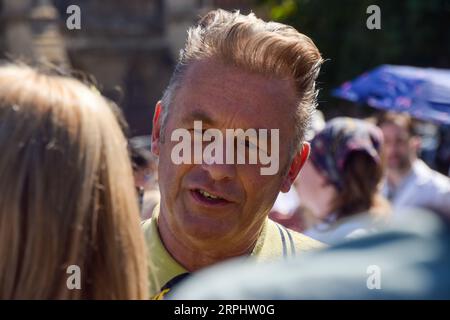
(393, 127)
(213, 85)
(394, 131)
(212, 71)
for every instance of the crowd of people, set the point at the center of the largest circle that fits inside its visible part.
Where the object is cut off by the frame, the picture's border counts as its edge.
(398, 179)
(350, 193)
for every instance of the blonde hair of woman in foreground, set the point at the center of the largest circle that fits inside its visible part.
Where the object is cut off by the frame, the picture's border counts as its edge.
(66, 193)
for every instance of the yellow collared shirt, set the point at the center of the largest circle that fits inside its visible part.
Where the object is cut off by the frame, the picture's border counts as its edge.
(274, 242)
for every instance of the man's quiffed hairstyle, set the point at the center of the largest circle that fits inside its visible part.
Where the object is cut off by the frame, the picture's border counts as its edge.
(268, 48)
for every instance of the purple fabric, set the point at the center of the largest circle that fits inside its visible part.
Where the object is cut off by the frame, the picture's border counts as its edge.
(422, 92)
(331, 147)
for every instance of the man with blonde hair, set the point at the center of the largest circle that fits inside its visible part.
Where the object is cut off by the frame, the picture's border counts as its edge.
(242, 75)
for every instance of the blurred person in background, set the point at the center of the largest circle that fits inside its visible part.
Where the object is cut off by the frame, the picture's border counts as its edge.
(67, 195)
(340, 182)
(409, 181)
(288, 209)
(145, 171)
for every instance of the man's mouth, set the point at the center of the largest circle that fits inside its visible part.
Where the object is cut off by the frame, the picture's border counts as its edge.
(208, 198)
(208, 195)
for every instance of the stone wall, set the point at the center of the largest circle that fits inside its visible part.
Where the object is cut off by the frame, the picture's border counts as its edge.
(129, 47)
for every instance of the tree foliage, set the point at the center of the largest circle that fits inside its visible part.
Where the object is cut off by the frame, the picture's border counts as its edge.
(413, 32)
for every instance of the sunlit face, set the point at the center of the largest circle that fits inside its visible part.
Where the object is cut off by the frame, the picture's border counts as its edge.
(398, 146)
(224, 97)
(314, 190)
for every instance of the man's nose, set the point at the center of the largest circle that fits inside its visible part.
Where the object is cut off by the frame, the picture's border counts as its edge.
(217, 165)
(220, 171)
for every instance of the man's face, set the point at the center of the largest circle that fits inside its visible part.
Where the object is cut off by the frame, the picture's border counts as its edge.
(398, 146)
(223, 97)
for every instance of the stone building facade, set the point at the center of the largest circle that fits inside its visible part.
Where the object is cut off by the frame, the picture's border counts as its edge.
(128, 46)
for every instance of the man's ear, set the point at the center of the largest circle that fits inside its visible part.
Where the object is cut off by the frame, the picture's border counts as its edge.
(156, 130)
(296, 165)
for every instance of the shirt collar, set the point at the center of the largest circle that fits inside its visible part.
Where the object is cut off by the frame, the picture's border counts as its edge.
(163, 266)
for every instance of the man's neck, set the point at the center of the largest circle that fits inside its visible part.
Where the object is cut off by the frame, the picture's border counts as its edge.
(193, 258)
(396, 176)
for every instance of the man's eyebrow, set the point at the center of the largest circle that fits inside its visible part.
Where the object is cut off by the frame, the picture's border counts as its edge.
(198, 115)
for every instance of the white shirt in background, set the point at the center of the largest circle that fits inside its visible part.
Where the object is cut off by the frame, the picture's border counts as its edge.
(422, 188)
(347, 228)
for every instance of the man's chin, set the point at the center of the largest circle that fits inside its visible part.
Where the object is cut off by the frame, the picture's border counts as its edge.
(203, 227)
(398, 166)
(394, 165)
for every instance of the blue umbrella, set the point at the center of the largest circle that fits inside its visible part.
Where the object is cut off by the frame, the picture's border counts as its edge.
(422, 92)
